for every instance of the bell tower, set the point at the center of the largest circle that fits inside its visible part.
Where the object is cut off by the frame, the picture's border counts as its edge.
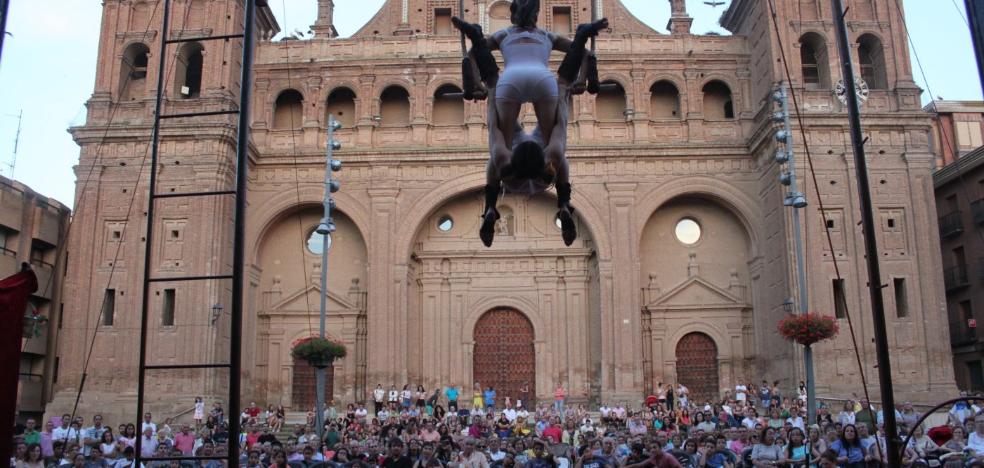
(192, 236)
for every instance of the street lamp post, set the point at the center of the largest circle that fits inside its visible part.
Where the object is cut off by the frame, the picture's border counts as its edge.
(797, 201)
(325, 228)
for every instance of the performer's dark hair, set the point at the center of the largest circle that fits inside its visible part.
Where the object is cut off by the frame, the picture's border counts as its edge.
(528, 162)
(523, 13)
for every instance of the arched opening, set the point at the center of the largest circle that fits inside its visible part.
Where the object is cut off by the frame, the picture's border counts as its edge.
(448, 110)
(189, 70)
(288, 111)
(871, 56)
(133, 73)
(610, 103)
(813, 61)
(504, 356)
(341, 104)
(287, 297)
(499, 16)
(303, 390)
(394, 106)
(664, 101)
(697, 366)
(718, 104)
(694, 251)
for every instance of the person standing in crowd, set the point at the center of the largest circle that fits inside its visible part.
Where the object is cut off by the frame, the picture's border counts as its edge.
(378, 396)
(61, 432)
(199, 416)
(559, 397)
(741, 392)
(148, 423)
(765, 395)
(393, 398)
(451, 393)
(432, 401)
(865, 416)
(92, 436)
(489, 398)
(524, 396)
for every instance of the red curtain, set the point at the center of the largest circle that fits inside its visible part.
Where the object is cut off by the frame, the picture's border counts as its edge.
(14, 292)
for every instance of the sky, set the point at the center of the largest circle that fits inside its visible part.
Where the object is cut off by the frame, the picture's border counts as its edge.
(48, 68)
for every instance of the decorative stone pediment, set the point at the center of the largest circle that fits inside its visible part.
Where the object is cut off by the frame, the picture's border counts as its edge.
(697, 292)
(308, 300)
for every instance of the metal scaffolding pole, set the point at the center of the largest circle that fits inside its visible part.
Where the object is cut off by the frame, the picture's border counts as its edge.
(870, 242)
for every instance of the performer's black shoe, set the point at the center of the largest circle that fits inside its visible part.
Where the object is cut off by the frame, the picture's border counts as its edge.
(571, 65)
(471, 30)
(566, 213)
(588, 30)
(487, 231)
(568, 229)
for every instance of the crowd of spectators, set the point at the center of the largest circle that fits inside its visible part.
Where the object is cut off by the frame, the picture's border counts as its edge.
(751, 426)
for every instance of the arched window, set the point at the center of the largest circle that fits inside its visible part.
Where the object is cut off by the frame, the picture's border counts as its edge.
(499, 16)
(610, 103)
(813, 61)
(133, 73)
(289, 110)
(872, 59)
(341, 103)
(394, 106)
(188, 82)
(717, 101)
(448, 110)
(664, 101)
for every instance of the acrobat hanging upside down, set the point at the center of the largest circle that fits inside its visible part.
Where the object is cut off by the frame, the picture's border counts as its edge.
(521, 162)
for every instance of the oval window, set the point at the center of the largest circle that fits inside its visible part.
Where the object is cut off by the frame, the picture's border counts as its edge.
(687, 231)
(445, 223)
(316, 242)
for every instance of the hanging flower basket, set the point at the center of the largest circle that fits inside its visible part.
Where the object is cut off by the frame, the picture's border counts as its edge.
(34, 324)
(808, 328)
(319, 352)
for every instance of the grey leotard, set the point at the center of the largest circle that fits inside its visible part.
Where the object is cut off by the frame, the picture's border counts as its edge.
(526, 77)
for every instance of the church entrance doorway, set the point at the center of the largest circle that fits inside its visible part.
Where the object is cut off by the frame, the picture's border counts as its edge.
(504, 355)
(304, 387)
(697, 366)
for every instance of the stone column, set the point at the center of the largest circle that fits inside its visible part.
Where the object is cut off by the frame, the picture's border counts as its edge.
(386, 317)
(622, 327)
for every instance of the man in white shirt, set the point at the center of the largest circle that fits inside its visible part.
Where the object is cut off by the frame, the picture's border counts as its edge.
(148, 423)
(61, 432)
(361, 412)
(795, 419)
(975, 442)
(750, 420)
(741, 390)
(148, 443)
(605, 414)
(510, 414)
(377, 398)
(495, 453)
(383, 415)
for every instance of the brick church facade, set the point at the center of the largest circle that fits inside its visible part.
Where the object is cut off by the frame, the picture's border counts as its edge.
(685, 253)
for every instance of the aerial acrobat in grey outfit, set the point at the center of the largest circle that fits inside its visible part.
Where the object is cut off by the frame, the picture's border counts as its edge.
(521, 162)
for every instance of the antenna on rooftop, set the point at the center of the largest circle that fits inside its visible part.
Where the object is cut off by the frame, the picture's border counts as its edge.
(13, 160)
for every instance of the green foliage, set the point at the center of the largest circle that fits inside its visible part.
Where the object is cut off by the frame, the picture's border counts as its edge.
(318, 350)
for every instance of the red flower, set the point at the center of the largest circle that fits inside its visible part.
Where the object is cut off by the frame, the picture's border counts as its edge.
(808, 328)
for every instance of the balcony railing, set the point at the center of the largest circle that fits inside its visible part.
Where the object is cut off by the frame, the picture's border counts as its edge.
(951, 224)
(961, 333)
(977, 210)
(955, 277)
